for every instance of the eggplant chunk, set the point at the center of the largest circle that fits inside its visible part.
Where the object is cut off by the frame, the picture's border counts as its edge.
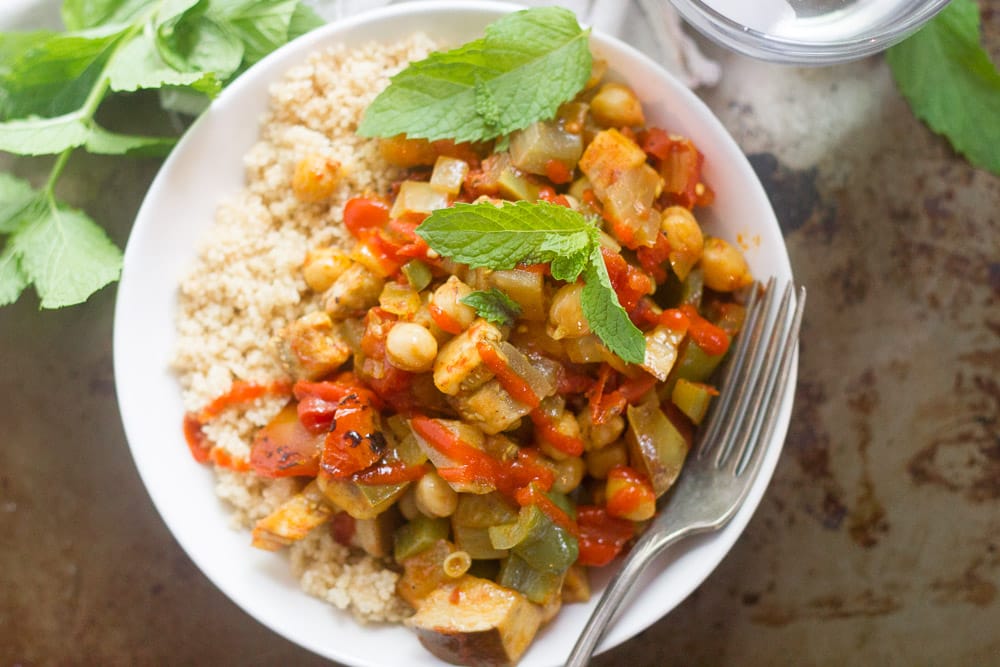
(458, 366)
(293, 519)
(374, 536)
(476, 622)
(310, 347)
(356, 290)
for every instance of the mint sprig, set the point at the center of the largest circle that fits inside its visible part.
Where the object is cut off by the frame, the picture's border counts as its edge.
(52, 85)
(487, 236)
(525, 66)
(493, 306)
(951, 84)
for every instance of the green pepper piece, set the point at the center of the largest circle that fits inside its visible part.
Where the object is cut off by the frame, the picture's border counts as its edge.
(537, 585)
(483, 511)
(417, 535)
(656, 446)
(476, 542)
(692, 398)
(535, 538)
(417, 274)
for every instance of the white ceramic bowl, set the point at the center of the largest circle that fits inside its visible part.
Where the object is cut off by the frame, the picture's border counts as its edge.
(179, 208)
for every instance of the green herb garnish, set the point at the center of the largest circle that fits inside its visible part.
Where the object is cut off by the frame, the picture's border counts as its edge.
(51, 87)
(500, 238)
(951, 84)
(525, 66)
(493, 306)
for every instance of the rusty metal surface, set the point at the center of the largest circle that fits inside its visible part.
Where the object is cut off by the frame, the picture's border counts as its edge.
(877, 543)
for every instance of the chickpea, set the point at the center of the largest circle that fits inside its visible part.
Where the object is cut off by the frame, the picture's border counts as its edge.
(447, 299)
(569, 474)
(435, 497)
(566, 318)
(408, 504)
(315, 178)
(616, 105)
(600, 435)
(323, 266)
(566, 424)
(686, 241)
(724, 268)
(601, 461)
(411, 347)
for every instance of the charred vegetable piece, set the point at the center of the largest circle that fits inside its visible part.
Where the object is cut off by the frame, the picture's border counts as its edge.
(285, 448)
(657, 448)
(355, 440)
(476, 622)
(417, 535)
(293, 519)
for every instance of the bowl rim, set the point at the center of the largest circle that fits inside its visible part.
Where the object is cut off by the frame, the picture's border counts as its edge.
(129, 351)
(758, 44)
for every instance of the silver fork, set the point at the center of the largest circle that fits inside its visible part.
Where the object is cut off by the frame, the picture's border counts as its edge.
(722, 467)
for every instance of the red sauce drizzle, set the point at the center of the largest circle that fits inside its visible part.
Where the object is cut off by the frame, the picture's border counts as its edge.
(513, 384)
(547, 431)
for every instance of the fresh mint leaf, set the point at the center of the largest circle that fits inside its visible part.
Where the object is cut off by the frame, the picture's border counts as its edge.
(82, 14)
(526, 65)
(104, 142)
(43, 136)
(16, 199)
(303, 20)
(488, 236)
(262, 25)
(605, 314)
(194, 41)
(951, 84)
(53, 73)
(66, 255)
(493, 306)
(140, 66)
(12, 278)
(484, 235)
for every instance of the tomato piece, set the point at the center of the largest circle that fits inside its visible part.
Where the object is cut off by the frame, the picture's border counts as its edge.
(365, 213)
(557, 172)
(655, 142)
(629, 282)
(389, 383)
(285, 448)
(681, 171)
(602, 536)
(653, 259)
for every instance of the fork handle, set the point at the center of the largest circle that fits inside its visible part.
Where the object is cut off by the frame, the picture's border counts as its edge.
(644, 551)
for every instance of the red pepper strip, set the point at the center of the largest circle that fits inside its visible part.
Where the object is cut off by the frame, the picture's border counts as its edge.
(390, 473)
(630, 283)
(674, 318)
(709, 337)
(365, 213)
(471, 463)
(547, 431)
(445, 321)
(239, 393)
(602, 536)
(532, 495)
(196, 440)
(513, 384)
(354, 443)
